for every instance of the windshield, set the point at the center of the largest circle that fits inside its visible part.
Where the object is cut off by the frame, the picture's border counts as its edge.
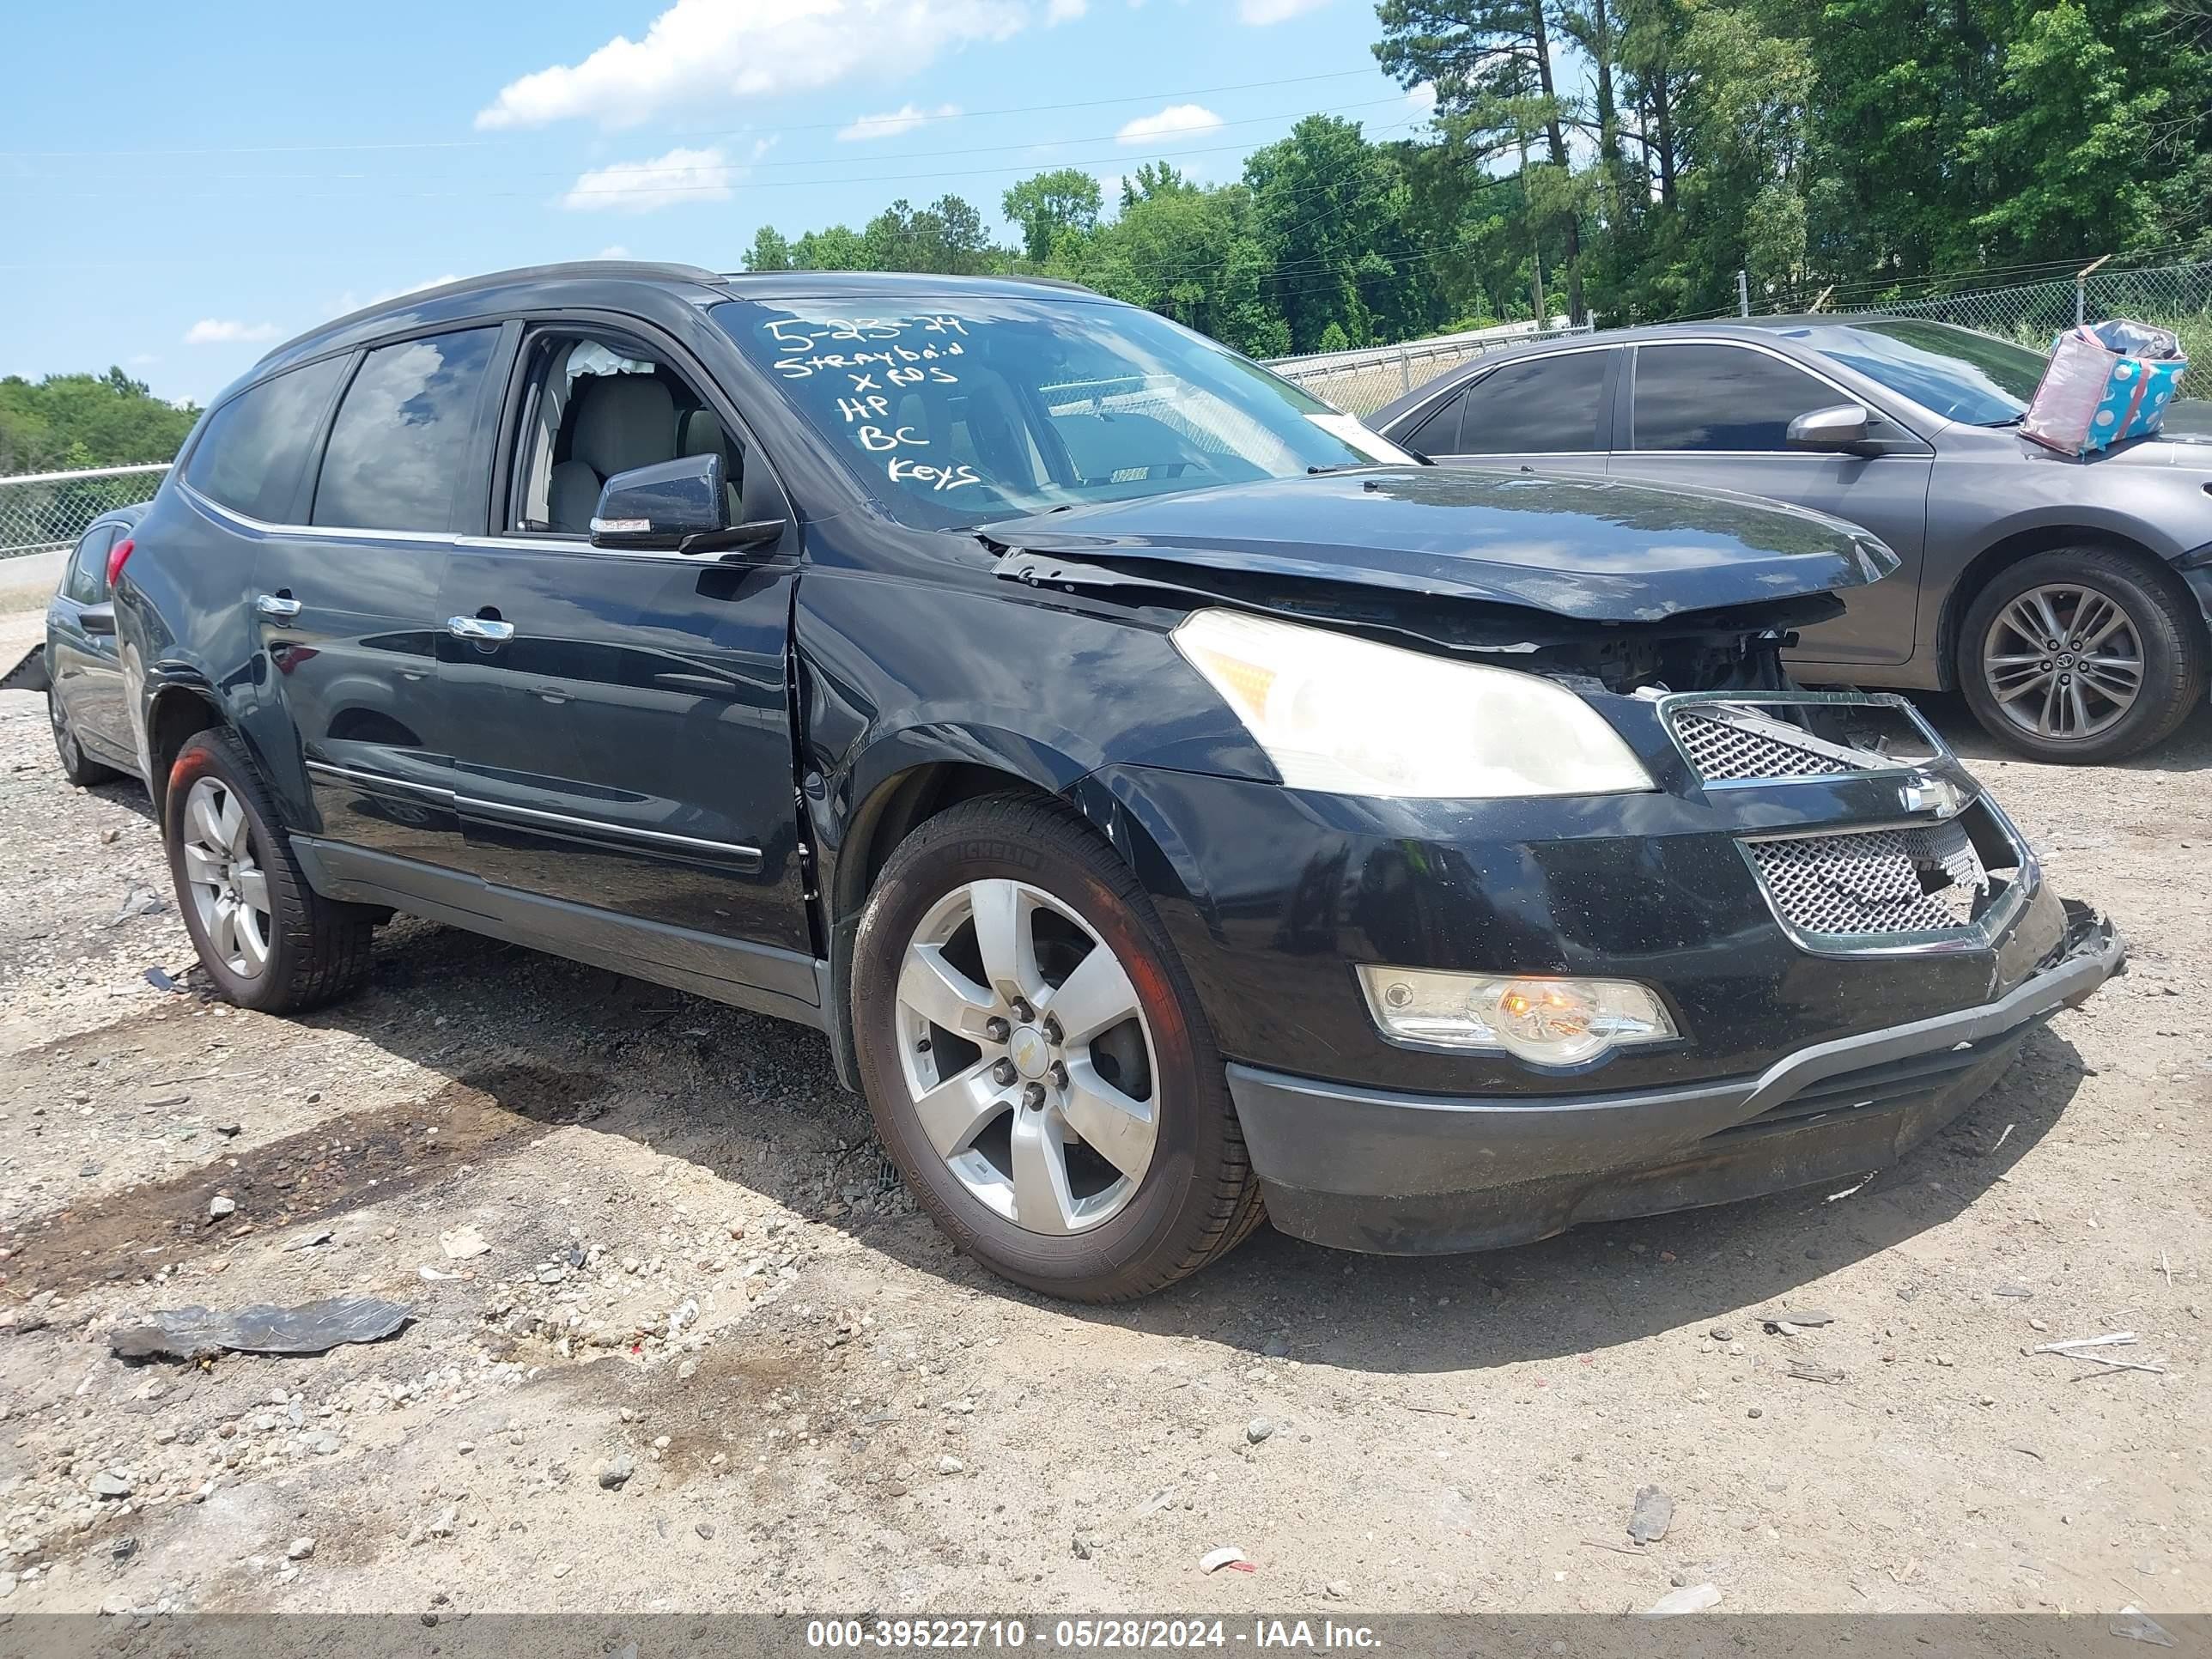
(957, 412)
(1959, 374)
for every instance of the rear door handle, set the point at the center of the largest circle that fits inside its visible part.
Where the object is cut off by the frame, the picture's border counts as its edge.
(282, 607)
(479, 627)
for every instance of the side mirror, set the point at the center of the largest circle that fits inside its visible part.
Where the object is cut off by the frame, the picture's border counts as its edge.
(1841, 426)
(660, 508)
(677, 506)
(97, 618)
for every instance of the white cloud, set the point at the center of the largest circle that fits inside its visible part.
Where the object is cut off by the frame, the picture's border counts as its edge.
(1175, 119)
(682, 175)
(700, 52)
(1261, 13)
(140, 359)
(612, 251)
(222, 331)
(1065, 11)
(905, 118)
(1421, 97)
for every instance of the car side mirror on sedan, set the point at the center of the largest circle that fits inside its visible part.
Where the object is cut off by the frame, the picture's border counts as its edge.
(674, 506)
(1839, 427)
(97, 618)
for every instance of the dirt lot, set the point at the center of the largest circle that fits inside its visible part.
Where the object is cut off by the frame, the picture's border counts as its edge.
(697, 1261)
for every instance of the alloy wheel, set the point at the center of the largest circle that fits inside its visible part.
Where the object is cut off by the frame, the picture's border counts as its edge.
(1027, 1062)
(229, 890)
(2063, 661)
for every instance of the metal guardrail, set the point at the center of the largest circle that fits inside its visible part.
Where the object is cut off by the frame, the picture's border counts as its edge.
(43, 510)
(1360, 382)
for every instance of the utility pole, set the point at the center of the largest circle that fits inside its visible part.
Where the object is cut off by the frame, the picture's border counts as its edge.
(1742, 293)
(1535, 244)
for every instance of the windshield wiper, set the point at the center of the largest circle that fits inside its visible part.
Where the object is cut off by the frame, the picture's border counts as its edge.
(2009, 420)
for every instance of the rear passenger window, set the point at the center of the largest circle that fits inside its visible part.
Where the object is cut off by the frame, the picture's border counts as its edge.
(400, 442)
(88, 572)
(1439, 434)
(249, 457)
(1548, 407)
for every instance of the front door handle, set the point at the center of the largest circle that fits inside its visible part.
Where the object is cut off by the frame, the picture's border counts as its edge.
(479, 627)
(282, 607)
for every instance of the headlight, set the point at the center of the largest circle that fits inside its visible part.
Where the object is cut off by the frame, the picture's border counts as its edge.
(1347, 715)
(1550, 1022)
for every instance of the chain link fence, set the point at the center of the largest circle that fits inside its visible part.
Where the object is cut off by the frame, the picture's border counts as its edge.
(2178, 297)
(1360, 382)
(43, 510)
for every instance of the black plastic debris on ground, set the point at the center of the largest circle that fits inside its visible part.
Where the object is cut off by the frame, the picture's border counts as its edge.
(312, 1327)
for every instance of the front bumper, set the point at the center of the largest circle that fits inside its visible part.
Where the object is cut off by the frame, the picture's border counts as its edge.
(1403, 1174)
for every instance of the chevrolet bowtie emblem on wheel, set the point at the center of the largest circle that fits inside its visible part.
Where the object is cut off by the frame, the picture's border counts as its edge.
(1938, 795)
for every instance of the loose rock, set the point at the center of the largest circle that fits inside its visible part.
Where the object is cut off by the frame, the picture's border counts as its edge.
(1654, 1512)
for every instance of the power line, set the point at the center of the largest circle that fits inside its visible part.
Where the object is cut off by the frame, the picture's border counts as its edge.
(643, 170)
(709, 132)
(1118, 159)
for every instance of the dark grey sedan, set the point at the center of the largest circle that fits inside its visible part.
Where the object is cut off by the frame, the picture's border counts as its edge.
(82, 674)
(2066, 598)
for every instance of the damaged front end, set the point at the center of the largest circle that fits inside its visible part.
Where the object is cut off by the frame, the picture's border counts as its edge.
(1843, 938)
(1730, 648)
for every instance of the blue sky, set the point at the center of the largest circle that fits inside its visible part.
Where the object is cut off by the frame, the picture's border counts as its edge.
(235, 172)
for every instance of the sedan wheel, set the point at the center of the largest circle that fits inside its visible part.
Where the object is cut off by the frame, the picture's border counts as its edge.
(2062, 662)
(1027, 1059)
(229, 889)
(2079, 655)
(77, 767)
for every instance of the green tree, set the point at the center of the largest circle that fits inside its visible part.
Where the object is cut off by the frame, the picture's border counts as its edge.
(87, 420)
(836, 247)
(947, 237)
(1052, 205)
(1491, 64)
(769, 251)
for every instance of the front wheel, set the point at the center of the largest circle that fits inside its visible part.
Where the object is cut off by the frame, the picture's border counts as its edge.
(1036, 1058)
(2081, 655)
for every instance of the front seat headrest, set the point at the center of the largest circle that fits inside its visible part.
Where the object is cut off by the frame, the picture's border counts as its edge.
(623, 421)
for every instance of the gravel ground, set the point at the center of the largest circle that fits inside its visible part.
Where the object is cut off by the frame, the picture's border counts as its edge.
(711, 1357)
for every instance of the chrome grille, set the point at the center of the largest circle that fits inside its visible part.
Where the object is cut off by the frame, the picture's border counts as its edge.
(1874, 883)
(1722, 750)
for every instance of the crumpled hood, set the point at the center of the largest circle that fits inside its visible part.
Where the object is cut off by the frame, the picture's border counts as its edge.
(1597, 550)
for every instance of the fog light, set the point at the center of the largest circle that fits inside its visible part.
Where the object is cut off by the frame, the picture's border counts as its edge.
(1548, 1022)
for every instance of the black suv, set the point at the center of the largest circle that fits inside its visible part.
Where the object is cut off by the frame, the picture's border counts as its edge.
(1167, 797)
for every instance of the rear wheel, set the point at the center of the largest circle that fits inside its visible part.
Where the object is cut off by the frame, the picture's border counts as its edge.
(79, 767)
(1036, 1061)
(267, 939)
(2082, 654)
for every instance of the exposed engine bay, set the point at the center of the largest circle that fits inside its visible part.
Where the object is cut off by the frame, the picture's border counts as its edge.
(1730, 648)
